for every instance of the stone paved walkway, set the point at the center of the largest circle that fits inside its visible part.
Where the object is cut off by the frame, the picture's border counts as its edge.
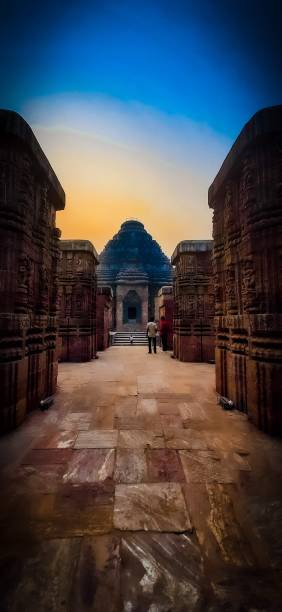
(136, 492)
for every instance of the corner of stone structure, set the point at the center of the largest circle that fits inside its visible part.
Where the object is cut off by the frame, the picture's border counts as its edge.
(191, 246)
(13, 127)
(264, 123)
(80, 245)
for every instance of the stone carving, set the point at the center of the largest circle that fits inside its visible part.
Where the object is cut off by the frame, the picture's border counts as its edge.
(248, 285)
(77, 286)
(28, 327)
(248, 273)
(104, 317)
(193, 336)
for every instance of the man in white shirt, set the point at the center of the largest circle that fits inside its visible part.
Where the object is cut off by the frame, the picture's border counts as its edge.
(152, 335)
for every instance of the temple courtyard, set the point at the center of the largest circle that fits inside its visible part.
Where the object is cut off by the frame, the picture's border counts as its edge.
(136, 491)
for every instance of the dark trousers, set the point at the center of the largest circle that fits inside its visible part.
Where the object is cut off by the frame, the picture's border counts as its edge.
(154, 342)
(164, 342)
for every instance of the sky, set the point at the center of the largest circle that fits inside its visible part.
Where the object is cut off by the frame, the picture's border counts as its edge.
(137, 103)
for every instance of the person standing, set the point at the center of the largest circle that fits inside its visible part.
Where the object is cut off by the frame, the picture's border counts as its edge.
(164, 331)
(152, 335)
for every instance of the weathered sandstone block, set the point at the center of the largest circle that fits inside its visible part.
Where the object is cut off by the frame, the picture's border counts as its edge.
(246, 197)
(77, 294)
(30, 195)
(193, 335)
(104, 316)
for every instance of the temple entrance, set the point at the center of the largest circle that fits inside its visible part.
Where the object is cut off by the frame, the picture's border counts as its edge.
(132, 313)
(132, 308)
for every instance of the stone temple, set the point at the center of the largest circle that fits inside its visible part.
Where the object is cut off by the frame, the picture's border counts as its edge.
(135, 267)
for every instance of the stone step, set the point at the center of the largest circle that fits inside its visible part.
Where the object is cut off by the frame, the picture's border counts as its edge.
(123, 338)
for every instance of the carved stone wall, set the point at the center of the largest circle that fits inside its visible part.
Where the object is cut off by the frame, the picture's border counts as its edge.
(77, 289)
(193, 331)
(104, 316)
(246, 197)
(30, 195)
(164, 308)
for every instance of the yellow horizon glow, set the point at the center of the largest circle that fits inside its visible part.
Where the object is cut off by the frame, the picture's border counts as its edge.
(126, 161)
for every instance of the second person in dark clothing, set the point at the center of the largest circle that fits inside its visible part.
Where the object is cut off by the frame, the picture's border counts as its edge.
(164, 332)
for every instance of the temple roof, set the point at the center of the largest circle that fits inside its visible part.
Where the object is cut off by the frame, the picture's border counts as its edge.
(133, 256)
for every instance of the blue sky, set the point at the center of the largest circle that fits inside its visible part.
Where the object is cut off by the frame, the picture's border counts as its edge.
(209, 65)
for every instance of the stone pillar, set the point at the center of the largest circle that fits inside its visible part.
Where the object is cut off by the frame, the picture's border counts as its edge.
(30, 195)
(246, 197)
(164, 307)
(193, 336)
(77, 279)
(104, 316)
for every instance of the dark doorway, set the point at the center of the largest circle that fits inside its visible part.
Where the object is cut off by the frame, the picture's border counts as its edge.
(132, 313)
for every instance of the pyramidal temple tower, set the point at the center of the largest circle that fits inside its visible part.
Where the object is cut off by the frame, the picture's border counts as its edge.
(135, 267)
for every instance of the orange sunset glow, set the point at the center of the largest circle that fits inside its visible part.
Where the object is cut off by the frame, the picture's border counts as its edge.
(123, 160)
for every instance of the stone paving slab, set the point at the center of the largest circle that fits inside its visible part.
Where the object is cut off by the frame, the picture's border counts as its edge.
(48, 456)
(205, 466)
(60, 439)
(147, 407)
(96, 584)
(139, 438)
(192, 411)
(97, 439)
(151, 507)
(138, 422)
(87, 466)
(38, 578)
(38, 477)
(162, 568)
(164, 466)
(131, 466)
(168, 407)
(184, 439)
(103, 418)
(126, 407)
(171, 421)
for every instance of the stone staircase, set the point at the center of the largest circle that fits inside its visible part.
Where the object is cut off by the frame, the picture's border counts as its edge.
(122, 338)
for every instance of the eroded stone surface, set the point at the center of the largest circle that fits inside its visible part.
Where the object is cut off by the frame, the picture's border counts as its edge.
(97, 439)
(150, 507)
(184, 439)
(131, 466)
(39, 578)
(93, 465)
(164, 466)
(205, 466)
(60, 439)
(141, 439)
(165, 569)
(96, 582)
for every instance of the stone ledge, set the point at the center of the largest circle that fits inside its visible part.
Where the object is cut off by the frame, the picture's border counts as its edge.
(13, 125)
(191, 246)
(265, 122)
(79, 245)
